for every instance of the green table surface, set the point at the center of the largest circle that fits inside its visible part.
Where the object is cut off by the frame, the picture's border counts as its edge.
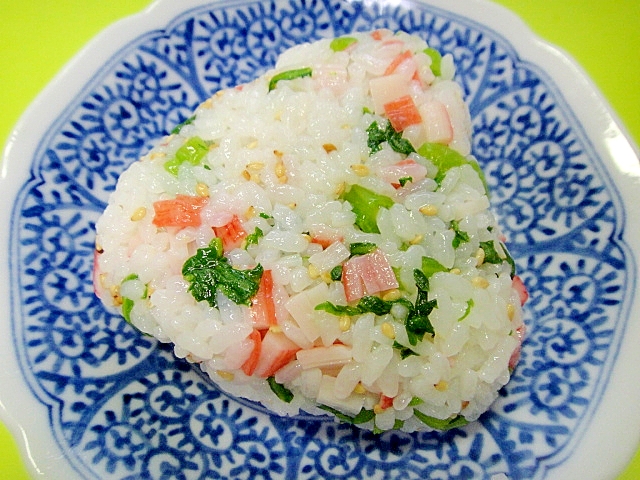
(37, 37)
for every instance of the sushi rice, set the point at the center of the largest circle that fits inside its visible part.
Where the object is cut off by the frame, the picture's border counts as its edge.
(320, 240)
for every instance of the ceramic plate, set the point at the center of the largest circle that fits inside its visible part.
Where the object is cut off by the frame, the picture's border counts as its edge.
(94, 399)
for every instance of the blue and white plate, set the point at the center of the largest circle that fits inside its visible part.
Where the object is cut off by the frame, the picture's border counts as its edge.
(94, 399)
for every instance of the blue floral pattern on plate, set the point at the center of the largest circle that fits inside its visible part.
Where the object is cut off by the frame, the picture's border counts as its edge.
(126, 408)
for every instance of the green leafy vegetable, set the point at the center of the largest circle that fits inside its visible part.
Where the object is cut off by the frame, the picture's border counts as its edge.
(208, 270)
(404, 351)
(178, 127)
(127, 306)
(282, 392)
(446, 158)
(490, 253)
(336, 273)
(253, 238)
(193, 151)
(342, 43)
(436, 60)
(363, 417)
(367, 304)
(289, 75)
(366, 205)
(431, 266)
(398, 424)
(460, 236)
(361, 248)
(418, 323)
(438, 424)
(467, 311)
(376, 136)
(404, 180)
(131, 276)
(509, 260)
(127, 303)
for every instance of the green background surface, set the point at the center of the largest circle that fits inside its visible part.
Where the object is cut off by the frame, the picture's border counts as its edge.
(37, 38)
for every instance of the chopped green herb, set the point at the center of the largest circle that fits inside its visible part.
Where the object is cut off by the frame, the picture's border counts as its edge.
(365, 205)
(467, 310)
(363, 417)
(404, 180)
(446, 158)
(415, 401)
(510, 260)
(436, 60)
(282, 392)
(404, 351)
(398, 424)
(265, 216)
(368, 304)
(376, 136)
(418, 323)
(289, 75)
(182, 124)
(127, 306)
(193, 151)
(366, 110)
(337, 310)
(431, 266)
(460, 236)
(208, 271)
(342, 43)
(490, 252)
(127, 303)
(361, 248)
(336, 273)
(438, 424)
(253, 238)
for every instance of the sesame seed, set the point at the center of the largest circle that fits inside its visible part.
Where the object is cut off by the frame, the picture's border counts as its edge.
(202, 189)
(511, 310)
(313, 271)
(359, 389)
(388, 330)
(429, 210)
(345, 323)
(442, 386)
(480, 282)
(360, 169)
(255, 166)
(329, 147)
(225, 375)
(480, 254)
(246, 175)
(391, 295)
(416, 240)
(138, 214)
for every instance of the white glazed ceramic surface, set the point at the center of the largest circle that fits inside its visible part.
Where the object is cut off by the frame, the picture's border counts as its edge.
(94, 399)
